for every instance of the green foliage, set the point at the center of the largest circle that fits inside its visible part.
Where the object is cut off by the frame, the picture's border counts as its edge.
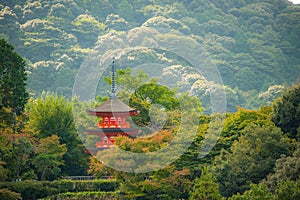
(87, 29)
(235, 123)
(286, 168)
(84, 121)
(151, 143)
(52, 115)
(98, 169)
(16, 154)
(256, 192)
(2, 172)
(80, 186)
(58, 113)
(151, 95)
(125, 10)
(252, 159)
(286, 111)
(87, 195)
(285, 190)
(157, 94)
(167, 183)
(272, 93)
(288, 190)
(48, 158)
(27, 189)
(115, 22)
(155, 102)
(208, 143)
(254, 44)
(205, 187)
(9, 195)
(17, 158)
(13, 94)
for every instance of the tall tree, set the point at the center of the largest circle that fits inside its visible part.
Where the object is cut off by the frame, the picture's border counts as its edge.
(52, 115)
(13, 94)
(19, 157)
(286, 110)
(48, 158)
(206, 187)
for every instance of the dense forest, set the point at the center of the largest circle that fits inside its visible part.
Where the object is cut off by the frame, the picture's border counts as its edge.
(215, 83)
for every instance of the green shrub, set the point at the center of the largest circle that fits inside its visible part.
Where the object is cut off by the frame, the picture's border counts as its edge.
(28, 189)
(9, 195)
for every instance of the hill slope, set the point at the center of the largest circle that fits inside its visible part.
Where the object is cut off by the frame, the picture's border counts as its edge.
(254, 44)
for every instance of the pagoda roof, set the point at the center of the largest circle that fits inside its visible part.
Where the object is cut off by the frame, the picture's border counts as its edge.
(112, 105)
(113, 131)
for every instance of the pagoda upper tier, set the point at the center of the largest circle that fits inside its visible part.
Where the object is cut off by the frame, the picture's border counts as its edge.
(113, 114)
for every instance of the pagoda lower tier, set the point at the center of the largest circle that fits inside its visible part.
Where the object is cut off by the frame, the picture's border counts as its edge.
(107, 135)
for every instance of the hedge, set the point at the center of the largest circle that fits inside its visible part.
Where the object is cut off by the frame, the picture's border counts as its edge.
(86, 196)
(32, 190)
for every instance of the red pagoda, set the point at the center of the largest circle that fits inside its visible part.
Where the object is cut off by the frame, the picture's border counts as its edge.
(113, 114)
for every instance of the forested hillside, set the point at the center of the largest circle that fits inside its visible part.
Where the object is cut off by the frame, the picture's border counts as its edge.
(179, 153)
(216, 84)
(255, 44)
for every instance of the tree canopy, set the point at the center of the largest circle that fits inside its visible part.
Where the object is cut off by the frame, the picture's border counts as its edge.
(13, 92)
(52, 115)
(286, 111)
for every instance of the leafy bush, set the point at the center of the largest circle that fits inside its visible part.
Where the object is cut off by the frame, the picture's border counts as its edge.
(9, 195)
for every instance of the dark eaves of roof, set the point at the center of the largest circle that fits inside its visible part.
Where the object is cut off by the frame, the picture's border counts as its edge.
(112, 105)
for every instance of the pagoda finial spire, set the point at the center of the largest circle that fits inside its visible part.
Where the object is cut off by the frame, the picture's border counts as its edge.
(113, 80)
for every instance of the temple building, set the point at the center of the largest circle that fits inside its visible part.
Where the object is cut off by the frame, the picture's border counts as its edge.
(112, 115)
